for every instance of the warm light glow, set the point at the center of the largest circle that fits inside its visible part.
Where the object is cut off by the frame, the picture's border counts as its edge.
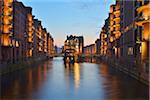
(146, 31)
(117, 13)
(6, 28)
(30, 30)
(6, 20)
(145, 14)
(130, 51)
(17, 44)
(116, 51)
(111, 39)
(29, 39)
(7, 23)
(5, 40)
(144, 21)
(77, 75)
(29, 17)
(144, 8)
(145, 50)
(117, 35)
(8, 1)
(30, 53)
(105, 36)
(117, 20)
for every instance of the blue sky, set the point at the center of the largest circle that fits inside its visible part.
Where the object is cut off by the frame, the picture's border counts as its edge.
(77, 17)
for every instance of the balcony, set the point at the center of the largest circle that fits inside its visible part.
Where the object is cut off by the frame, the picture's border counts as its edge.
(8, 10)
(7, 20)
(30, 40)
(117, 19)
(40, 44)
(7, 29)
(143, 8)
(30, 25)
(112, 38)
(117, 27)
(117, 35)
(141, 20)
(5, 40)
(8, 4)
(117, 13)
(9, 1)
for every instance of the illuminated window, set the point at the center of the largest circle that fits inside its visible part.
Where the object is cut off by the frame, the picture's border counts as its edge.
(130, 51)
(5, 40)
(17, 44)
(140, 49)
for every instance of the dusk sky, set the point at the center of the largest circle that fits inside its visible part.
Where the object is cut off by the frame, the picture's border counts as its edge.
(76, 17)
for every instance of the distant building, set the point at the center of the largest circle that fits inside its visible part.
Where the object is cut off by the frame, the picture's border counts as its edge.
(42, 40)
(50, 45)
(90, 49)
(74, 44)
(58, 50)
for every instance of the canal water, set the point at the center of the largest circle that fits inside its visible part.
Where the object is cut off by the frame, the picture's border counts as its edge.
(54, 80)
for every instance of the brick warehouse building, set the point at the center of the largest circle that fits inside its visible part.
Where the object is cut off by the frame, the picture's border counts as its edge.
(15, 30)
(20, 33)
(74, 44)
(17, 33)
(127, 39)
(90, 50)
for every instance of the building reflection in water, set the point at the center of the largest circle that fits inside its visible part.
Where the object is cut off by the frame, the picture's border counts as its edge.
(39, 78)
(22, 83)
(52, 79)
(45, 71)
(67, 74)
(77, 75)
(75, 70)
(89, 60)
(29, 82)
(110, 82)
(16, 88)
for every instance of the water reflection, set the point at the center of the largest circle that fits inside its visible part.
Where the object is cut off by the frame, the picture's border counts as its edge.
(79, 81)
(30, 83)
(112, 89)
(73, 68)
(21, 84)
(76, 75)
(89, 59)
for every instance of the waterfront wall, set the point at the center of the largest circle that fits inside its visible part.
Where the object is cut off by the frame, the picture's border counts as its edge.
(132, 69)
(11, 67)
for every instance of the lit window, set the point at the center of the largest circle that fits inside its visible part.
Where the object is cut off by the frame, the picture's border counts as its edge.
(140, 49)
(130, 51)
